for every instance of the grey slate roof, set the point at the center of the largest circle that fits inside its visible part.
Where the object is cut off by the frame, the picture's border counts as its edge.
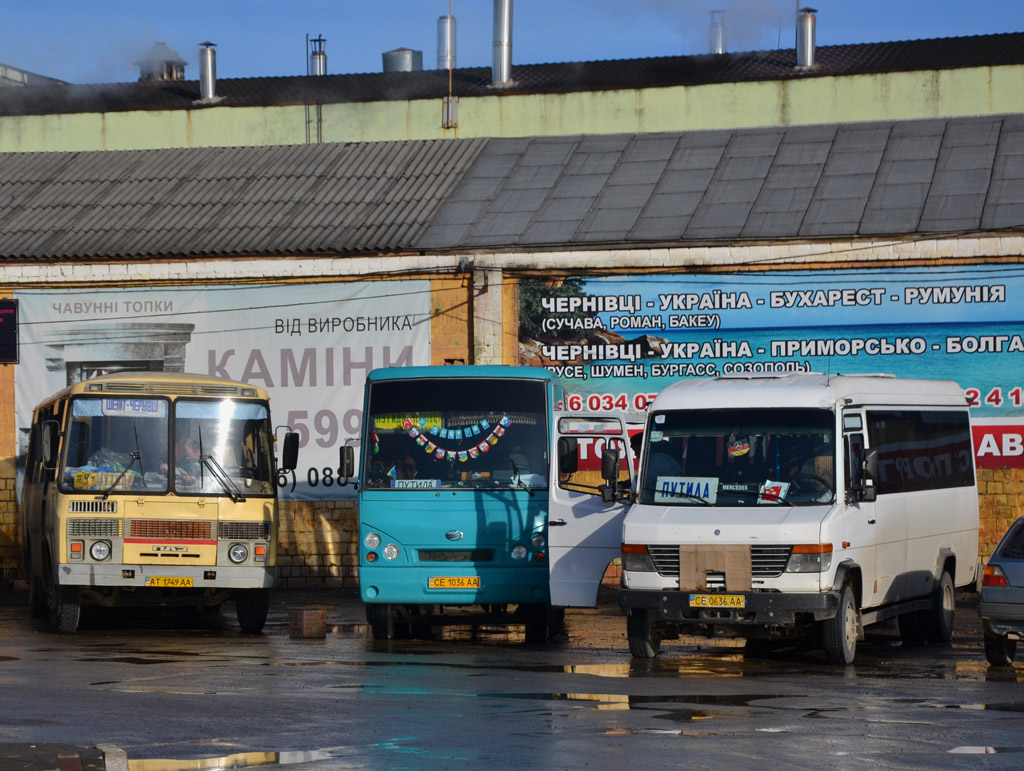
(844, 180)
(558, 77)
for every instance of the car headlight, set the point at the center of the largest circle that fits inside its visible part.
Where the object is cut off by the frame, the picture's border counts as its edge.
(100, 550)
(372, 541)
(390, 551)
(238, 553)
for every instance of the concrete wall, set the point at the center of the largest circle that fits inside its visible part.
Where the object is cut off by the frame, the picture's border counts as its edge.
(811, 100)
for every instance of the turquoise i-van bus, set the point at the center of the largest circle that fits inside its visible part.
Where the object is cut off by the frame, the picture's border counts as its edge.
(454, 499)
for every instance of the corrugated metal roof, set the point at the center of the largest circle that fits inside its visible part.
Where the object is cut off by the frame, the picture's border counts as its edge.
(222, 201)
(655, 72)
(844, 180)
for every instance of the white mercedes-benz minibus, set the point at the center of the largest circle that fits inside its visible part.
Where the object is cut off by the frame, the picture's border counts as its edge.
(801, 506)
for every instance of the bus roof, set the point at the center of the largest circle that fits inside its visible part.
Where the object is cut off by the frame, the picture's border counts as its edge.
(807, 390)
(462, 371)
(161, 383)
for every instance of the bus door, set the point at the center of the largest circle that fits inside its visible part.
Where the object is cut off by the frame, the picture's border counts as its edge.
(585, 512)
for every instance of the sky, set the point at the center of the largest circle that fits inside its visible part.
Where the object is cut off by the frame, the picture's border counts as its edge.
(98, 41)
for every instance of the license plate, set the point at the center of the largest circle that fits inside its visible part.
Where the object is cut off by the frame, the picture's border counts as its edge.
(718, 601)
(174, 582)
(453, 582)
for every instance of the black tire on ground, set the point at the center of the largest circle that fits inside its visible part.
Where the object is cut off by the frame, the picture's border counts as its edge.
(535, 620)
(999, 651)
(65, 607)
(251, 607)
(644, 638)
(914, 627)
(942, 614)
(839, 633)
(381, 620)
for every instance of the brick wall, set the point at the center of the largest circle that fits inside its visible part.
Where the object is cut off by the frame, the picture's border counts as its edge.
(316, 545)
(1001, 493)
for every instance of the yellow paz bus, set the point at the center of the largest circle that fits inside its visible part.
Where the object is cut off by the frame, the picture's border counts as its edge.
(152, 488)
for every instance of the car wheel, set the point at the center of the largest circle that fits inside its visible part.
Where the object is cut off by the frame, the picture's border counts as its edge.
(644, 639)
(999, 651)
(839, 633)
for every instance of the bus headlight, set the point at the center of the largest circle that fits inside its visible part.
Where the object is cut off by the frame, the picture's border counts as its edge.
(238, 553)
(518, 552)
(636, 558)
(538, 540)
(810, 558)
(372, 541)
(390, 551)
(99, 550)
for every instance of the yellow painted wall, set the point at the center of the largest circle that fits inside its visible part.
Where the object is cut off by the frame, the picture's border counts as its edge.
(801, 101)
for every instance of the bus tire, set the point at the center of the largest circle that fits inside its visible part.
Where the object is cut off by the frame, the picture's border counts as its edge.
(251, 608)
(535, 621)
(943, 612)
(644, 638)
(65, 607)
(839, 633)
(381, 620)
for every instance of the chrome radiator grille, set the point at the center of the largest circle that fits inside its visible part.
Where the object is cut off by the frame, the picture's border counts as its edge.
(765, 561)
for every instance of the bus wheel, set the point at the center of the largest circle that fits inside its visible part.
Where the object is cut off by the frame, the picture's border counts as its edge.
(839, 633)
(381, 620)
(65, 607)
(251, 607)
(943, 611)
(535, 620)
(644, 639)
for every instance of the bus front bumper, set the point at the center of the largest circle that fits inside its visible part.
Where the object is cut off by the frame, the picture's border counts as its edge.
(759, 608)
(404, 585)
(167, 576)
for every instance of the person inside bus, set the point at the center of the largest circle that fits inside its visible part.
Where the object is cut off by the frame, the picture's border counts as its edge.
(188, 465)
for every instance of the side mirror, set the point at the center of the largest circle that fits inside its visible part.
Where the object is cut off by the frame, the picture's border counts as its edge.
(347, 461)
(568, 455)
(49, 439)
(290, 451)
(869, 472)
(610, 474)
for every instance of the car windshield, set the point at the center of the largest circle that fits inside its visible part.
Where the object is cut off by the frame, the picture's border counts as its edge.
(740, 457)
(456, 433)
(1012, 546)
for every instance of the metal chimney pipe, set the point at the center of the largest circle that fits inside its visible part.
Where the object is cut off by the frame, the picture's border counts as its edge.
(501, 62)
(716, 35)
(207, 71)
(446, 42)
(805, 24)
(318, 57)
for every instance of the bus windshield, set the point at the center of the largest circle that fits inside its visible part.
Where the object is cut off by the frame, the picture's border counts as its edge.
(740, 457)
(120, 444)
(456, 433)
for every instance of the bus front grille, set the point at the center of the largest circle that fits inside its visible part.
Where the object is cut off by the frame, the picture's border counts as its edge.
(438, 555)
(244, 531)
(170, 529)
(765, 561)
(94, 528)
(92, 507)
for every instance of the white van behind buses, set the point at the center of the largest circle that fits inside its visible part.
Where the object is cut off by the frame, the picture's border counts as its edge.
(801, 506)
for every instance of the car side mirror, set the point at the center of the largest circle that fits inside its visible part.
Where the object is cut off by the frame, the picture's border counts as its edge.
(869, 472)
(610, 474)
(568, 455)
(290, 451)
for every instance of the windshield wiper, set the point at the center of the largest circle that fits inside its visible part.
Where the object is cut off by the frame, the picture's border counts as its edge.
(756, 494)
(135, 455)
(218, 473)
(517, 479)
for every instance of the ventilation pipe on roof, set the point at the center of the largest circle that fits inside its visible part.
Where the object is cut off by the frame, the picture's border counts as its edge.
(318, 57)
(805, 24)
(716, 35)
(207, 72)
(402, 60)
(161, 63)
(446, 42)
(501, 62)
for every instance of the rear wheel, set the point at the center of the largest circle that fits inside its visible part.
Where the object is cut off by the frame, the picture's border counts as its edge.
(644, 638)
(839, 633)
(251, 607)
(999, 651)
(940, 617)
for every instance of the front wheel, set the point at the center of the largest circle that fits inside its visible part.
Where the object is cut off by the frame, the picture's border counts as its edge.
(381, 620)
(839, 633)
(65, 607)
(999, 651)
(251, 607)
(644, 638)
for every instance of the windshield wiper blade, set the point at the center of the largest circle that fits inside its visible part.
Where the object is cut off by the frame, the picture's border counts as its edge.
(517, 479)
(222, 477)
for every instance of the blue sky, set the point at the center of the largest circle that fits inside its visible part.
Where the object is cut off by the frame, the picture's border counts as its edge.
(98, 41)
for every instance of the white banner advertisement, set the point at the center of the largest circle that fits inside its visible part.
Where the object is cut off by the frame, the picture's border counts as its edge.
(309, 345)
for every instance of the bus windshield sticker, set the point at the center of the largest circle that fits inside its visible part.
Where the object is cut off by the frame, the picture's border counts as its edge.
(675, 489)
(415, 484)
(134, 408)
(773, 492)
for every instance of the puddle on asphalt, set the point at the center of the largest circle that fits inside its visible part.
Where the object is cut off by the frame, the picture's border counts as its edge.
(237, 760)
